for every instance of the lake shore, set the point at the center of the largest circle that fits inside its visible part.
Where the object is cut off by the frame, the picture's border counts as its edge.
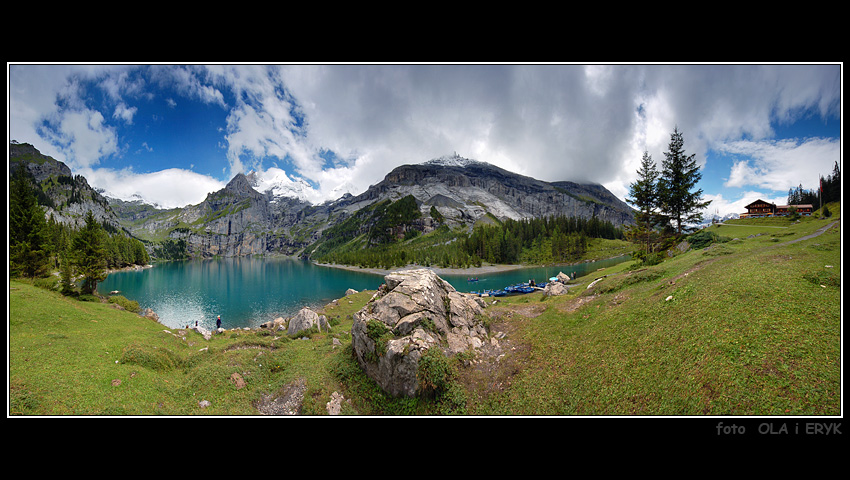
(469, 271)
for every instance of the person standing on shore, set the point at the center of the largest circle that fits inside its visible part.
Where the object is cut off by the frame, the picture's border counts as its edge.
(218, 322)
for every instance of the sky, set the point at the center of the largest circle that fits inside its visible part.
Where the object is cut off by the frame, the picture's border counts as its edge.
(171, 133)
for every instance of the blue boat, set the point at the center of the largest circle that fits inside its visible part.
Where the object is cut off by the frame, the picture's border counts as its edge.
(490, 293)
(520, 288)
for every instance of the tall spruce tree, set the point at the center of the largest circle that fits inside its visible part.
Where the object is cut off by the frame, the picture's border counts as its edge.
(679, 175)
(643, 194)
(88, 253)
(29, 245)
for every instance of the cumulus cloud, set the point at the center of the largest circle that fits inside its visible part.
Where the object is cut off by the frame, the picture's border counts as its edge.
(168, 188)
(781, 164)
(722, 206)
(343, 127)
(82, 135)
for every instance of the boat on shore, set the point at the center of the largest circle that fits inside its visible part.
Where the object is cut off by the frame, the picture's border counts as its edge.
(520, 288)
(490, 293)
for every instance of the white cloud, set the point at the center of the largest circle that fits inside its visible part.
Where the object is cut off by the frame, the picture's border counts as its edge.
(724, 206)
(168, 188)
(781, 164)
(125, 113)
(83, 136)
(553, 122)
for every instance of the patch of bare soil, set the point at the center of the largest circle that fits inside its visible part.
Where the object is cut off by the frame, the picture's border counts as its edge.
(496, 364)
(286, 401)
(574, 304)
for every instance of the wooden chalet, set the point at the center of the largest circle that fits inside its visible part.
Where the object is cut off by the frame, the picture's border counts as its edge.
(761, 208)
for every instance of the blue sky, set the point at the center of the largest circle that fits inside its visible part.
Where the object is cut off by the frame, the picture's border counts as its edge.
(172, 133)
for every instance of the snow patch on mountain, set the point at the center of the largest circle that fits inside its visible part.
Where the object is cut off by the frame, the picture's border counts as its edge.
(277, 183)
(135, 198)
(453, 160)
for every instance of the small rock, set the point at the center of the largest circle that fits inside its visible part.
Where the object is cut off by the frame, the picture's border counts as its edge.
(668, 298)
(204, 403)
(335, 404)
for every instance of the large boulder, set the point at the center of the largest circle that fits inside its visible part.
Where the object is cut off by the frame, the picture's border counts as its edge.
(306, 319)
(413, 311)
(555, 289)
(277, 324)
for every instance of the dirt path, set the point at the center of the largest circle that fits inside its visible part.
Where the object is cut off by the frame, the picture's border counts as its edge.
(813, 235)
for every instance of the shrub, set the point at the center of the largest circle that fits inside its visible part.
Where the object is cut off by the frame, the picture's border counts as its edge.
(380, 334)
(129, 305)
(644, 259)
(48, 283)
(436, 372)
(704, 238)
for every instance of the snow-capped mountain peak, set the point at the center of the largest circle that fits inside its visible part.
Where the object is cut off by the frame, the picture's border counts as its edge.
(277, 183)
(453, 160)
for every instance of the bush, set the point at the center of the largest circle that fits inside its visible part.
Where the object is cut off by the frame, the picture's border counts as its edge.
(129, 305)
(48, 283)
(644, 259)
(436, 372)
(704, 238)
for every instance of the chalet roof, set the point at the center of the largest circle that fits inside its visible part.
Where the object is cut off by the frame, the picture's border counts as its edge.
(758, 201)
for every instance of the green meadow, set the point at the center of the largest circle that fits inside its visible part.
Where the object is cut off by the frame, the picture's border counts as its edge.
(748, 326)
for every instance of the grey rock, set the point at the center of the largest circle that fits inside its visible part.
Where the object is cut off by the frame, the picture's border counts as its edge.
(306, 319)
(415, 310)
(555, 289)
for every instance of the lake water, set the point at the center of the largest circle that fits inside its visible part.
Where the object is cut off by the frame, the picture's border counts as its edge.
(249, 291)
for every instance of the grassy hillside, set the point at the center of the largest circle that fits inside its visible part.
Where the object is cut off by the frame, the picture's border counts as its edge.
(750, 326)
(69, 357)
(747, 327)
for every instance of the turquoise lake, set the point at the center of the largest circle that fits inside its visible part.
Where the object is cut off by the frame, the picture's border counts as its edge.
(249, 291)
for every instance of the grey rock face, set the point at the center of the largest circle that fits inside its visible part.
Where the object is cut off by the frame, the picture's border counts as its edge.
(238, 220)
(415, 310)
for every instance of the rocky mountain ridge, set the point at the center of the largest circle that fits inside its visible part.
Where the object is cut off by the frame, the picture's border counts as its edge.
(240, 220)
(65, 197)
(464, 190)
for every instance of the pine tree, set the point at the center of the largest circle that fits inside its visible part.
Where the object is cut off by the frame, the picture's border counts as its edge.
(89, 254)
(679, 175)
(29, 246)
(643, 194)
(66, 274)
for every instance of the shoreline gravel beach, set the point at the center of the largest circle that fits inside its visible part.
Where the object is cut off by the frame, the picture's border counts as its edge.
(471, 271)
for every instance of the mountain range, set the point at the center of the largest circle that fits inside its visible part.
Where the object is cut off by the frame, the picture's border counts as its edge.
(256, 214)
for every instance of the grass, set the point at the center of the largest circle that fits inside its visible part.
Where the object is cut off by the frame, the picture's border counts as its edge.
(754, 330)
(747, 327)
(68, 357)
